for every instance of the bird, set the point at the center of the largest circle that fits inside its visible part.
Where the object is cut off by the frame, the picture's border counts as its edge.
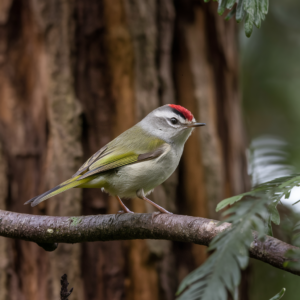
(136, 161)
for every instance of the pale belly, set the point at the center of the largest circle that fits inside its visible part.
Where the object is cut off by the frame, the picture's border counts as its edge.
(127, 180)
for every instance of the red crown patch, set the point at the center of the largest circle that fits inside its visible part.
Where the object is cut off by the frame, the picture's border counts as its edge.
(187, 114)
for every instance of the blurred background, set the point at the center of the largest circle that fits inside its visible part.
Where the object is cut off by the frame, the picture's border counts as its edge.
(270, 72)
(75, 74)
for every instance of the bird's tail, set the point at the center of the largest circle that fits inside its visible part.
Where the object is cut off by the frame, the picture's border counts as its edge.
(71, 183)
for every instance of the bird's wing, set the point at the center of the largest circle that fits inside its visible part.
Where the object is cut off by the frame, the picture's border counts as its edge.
(130, 147)
(90, 161)
(114, 160)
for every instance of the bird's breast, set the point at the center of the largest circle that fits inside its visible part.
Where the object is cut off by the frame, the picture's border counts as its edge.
(146, 175)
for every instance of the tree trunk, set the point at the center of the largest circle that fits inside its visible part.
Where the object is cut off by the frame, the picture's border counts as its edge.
(74, 75)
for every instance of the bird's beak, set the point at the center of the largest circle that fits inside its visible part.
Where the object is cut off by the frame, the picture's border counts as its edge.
(195, 124)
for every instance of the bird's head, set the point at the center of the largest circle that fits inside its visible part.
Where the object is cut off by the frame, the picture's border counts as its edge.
(171, 122)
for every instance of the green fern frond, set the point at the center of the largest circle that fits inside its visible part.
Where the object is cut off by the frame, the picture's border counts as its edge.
(279, 295)
(253, 11)
(221, 272)
(273, 190)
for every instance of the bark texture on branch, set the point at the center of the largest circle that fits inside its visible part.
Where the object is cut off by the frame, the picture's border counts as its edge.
(49, 230)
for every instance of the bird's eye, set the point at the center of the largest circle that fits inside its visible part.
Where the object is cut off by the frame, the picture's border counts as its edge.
(174, 121)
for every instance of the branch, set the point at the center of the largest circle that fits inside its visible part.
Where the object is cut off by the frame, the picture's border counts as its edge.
(47, 231)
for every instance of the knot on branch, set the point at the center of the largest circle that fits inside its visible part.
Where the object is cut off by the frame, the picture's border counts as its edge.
(48, 246)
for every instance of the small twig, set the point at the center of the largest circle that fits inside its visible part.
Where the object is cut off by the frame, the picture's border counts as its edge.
(64, 293)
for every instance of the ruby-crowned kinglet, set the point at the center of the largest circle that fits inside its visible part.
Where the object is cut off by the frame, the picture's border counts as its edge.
(138, 160)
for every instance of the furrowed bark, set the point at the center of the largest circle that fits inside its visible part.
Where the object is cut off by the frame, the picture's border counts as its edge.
(150, 25)
(207, 82)
(64, 150)
(23, 134)
(49, 230)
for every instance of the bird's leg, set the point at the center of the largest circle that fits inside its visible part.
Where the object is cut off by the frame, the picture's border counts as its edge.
(141, 195)
(161, 209)
(124, 207)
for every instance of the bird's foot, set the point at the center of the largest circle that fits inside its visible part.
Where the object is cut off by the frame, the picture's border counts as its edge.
(125, 208)
(122, 212)
(157, 213)
(161, 209)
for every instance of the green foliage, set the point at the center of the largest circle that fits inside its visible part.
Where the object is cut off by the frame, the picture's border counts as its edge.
(273, 190)
(279, 295)
(271, 78)
(221, 272)
(253, 11)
